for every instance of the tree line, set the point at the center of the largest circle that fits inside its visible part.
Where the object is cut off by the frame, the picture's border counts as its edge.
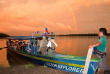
(3, 35)
(108, 34)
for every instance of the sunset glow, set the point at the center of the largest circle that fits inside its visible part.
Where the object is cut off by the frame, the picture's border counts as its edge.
(23, 17)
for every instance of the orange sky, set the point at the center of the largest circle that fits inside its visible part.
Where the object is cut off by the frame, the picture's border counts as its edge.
(22, 17)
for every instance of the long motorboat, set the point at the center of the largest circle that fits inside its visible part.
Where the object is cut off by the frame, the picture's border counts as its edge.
(69, 63)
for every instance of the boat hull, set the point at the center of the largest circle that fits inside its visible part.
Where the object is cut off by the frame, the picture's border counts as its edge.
(66, 63)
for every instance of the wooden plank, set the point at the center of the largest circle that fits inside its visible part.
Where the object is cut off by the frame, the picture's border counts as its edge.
(89, 54)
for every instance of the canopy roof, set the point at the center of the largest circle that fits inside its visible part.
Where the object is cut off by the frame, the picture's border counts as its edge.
(22, 37)
(26, 37)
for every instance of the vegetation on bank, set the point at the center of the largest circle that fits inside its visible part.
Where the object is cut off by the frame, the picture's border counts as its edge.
(108, 34)
(3, 35)
(82, 35)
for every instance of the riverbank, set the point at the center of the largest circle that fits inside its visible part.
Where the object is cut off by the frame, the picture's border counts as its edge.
(30, 69)
(3, 35)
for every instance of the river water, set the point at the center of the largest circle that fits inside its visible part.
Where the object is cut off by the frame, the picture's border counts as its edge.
(73, 45)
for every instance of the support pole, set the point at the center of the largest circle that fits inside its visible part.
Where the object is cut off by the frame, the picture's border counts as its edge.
(89, 54)
(33, 41)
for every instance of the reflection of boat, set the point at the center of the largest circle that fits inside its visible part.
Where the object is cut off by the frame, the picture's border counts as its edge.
(64, 62)
(14, 59)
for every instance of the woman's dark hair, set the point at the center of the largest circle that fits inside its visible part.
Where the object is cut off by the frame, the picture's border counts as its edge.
(104, 30)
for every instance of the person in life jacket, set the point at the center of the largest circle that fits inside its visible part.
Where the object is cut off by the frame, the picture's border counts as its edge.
(100, 50)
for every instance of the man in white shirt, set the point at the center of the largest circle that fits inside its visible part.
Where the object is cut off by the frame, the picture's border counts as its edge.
(51, 47)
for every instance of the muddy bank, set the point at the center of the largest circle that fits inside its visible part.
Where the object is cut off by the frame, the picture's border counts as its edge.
(20, 65)
(30, 69)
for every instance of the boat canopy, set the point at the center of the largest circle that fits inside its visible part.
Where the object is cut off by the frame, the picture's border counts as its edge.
(26, 37)
(22, 37)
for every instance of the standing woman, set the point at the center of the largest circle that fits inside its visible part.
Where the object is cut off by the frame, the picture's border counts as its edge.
(101, 46)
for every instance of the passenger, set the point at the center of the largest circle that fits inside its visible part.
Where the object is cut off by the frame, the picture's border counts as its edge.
(19, 46)
(28, 49)
(23, 46)
(51, 47)
(31, 41)
(42, 48)
(8, 44)
(36, 42)
(11, 44)
(15, 45)
(26, 44)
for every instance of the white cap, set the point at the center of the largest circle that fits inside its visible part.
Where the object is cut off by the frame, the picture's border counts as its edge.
(43, 37)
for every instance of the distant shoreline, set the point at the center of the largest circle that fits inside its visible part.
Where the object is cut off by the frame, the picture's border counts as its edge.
(81, 35)
(3, 35)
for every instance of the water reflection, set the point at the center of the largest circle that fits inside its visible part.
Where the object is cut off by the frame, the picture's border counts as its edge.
(3, 58)
(67, 45)
(14, 59)
(74, 45)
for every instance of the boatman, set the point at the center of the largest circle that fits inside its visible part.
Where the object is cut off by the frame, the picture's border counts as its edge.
(100, 47)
